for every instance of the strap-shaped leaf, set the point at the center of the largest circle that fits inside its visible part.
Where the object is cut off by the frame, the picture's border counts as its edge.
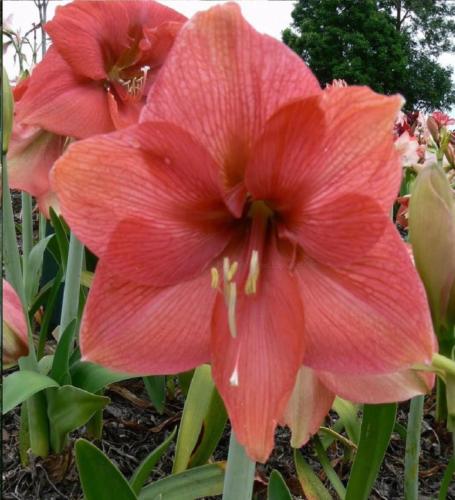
(60, 366)
(156, 390)
(68, 409)
(348, 415)
(19, 386)
(93, 378)
(145, 468)
(377, 425)
(277, 488)
(100, 478)
(311, 484)
(195, 410)
(34, 267)
(198, 482)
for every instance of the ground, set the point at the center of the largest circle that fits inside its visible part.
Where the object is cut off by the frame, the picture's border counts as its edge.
(132, 428)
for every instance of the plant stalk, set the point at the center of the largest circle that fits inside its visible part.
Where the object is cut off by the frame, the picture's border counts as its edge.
(239, 479)
(27, 233)
(72, 282)
(411, 459)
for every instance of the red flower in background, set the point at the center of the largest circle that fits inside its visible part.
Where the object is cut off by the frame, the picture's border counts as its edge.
(233, 232)
(102, 62)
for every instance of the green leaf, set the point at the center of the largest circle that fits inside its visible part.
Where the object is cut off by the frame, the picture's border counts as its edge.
(60, 367)
(277, 488)
(100, 478)
(68, 409)
(212, 430)
(145, 468)
(93, 377)
(447, 479)
(348, 413)
(203, 481)
(61, 237)
(311, 484)
(377, 426)
(156, 390)
(34, 267)
(194, 412)
(20, 385)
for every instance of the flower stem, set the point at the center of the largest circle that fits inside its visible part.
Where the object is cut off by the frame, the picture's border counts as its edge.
(411, 459)
(72, 282)
(239, 479)
(27, 232)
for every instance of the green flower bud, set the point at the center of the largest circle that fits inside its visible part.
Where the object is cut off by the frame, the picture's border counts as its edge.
(7, 111)
(432, 234)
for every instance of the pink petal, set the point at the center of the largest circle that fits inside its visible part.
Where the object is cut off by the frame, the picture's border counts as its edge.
(222, 80)
(61, 102)
(368, 317)
(328, 183)
(31, 154)
(145, 330)
(154, 192)
(13, 312)
(374, 389)
(309, 404)
(263, 358)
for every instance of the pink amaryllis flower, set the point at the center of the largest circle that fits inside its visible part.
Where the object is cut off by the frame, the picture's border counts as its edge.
(14, 331)
(244, 223)
(31, 154)
(102, 62)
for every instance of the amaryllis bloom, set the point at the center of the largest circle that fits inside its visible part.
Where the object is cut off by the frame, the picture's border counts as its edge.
(14, 332)
(442, 119)
(227, 226)
(31, 154)
(408, 149)
(102, 62)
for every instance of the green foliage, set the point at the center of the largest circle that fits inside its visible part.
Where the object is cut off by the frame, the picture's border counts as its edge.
(360, 41)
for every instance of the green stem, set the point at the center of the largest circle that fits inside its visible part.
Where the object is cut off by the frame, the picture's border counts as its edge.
(239, 479)
(411, 459)
(27, 233)
(72, 282)
(42, 226)
(443, 363)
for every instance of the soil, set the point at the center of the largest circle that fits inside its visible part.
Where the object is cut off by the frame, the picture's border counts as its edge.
(132, 428)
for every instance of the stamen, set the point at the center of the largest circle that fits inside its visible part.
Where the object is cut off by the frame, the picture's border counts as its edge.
(253, 274)
(231, 302)
(215, 277)
(135, 86)
(234, 380)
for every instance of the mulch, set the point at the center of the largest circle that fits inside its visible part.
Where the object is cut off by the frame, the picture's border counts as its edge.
(132, 429)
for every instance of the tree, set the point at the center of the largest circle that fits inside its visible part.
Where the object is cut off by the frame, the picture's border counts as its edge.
(374, 43)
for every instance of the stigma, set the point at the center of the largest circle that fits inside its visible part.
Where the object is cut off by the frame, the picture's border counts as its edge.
(135, 86)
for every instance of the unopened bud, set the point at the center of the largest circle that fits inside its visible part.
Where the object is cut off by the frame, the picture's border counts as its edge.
(433, 128)
(432, 234)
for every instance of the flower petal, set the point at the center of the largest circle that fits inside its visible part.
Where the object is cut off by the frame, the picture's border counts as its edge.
(13, 312)
(145, 330)
(375, 389)
(255, 371)
(326, 181)
(31, 154)
(368, 317)
(154, 192)
(310, 402)
(61, 102)
(222, 80)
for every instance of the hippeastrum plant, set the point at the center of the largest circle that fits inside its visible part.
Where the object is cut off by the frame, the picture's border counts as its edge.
(233, 232)
(102, 62)
(14, 333)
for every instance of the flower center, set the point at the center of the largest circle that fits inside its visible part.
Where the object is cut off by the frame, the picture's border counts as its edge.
(130, 86)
